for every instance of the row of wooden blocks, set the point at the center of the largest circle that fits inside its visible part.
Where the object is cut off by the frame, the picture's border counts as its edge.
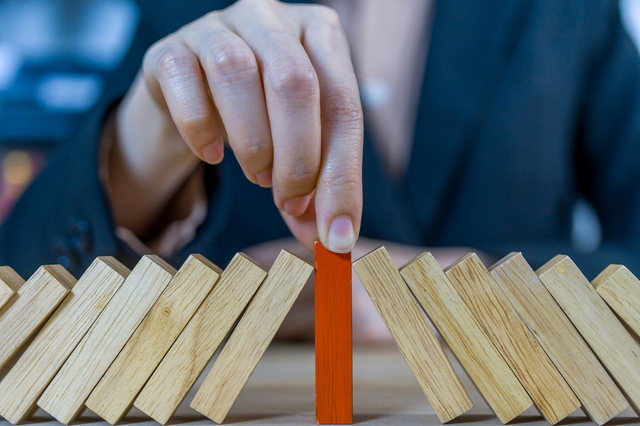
(118, 338)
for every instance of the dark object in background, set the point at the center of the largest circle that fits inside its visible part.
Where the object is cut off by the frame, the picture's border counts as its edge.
(54, 58)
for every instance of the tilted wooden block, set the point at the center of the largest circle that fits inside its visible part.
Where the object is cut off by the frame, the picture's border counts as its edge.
(64, 398)
(606, 336)
(35, 301)
(199, 340)
(252, 336)
(553, 397)
(467, 339)
(621, 290)
(116, 391)
(10, 283)
(37, 366)
(599, 396)
(412, 333)
(333, 337)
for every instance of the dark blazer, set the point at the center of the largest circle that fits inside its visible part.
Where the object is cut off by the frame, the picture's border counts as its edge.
(525, 106)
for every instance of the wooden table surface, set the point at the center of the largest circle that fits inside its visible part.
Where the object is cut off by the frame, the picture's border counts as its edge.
(281, 392)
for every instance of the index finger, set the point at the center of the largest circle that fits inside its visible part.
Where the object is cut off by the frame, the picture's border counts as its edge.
(339, 186)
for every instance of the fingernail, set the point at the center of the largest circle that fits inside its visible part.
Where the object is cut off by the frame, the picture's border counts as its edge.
(342, 237)
(297, 206)
(264, 179)
(214, 152)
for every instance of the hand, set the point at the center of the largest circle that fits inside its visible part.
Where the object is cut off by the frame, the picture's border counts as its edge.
(278, 82)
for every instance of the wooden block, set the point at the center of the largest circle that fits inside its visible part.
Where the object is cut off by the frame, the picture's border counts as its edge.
(553, 397)
(116, 391)
(35, 301)
(621, 290)
(334, 353)
(10, 283)
(599, 396)
(412, 333)
(250, 339)
(466, 337)
(606, 336)
(25, 382)
(65, 396)
(197, 343)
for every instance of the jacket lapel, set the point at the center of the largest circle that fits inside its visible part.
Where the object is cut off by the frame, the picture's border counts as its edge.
(471, 44)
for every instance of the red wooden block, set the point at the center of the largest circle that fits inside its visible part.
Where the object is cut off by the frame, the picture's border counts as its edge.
(334, 360)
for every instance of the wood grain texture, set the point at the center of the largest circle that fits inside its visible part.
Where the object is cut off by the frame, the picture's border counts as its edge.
(65, 396)
(30, 308)
(114, 395)
(252, 336)
(550, 392)
(597, 324)
(199, 340)
(25, 382)
(333, 337)
(466, 337)
(412, 334)
(599, 396)
(621, 290)
(10, 283)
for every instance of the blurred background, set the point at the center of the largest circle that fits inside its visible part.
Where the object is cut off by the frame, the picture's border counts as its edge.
(54, 58)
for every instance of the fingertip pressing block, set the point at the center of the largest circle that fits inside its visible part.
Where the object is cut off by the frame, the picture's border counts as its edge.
(412, 334)
(114, 395)
(598, 394)
(65, 396)
(200, 339)
(606, 336)
(35, 368)
(333, 337)
(10, 283)
(466, 337)
(251, 337)
(33, 304)
(621, 290)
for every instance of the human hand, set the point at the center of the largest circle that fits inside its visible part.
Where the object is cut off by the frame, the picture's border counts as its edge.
(277, 81)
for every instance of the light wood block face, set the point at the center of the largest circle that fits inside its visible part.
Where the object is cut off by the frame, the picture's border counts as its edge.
(10, 283)
(552, 395)
(199, 340)
(250, 339)
(30, 308)
(621, 290)
(467, 339)
(599, 396)
(412, 333)
(116, 391)
(333, 337)
(64, 398)
(29, 377)
(606, 336)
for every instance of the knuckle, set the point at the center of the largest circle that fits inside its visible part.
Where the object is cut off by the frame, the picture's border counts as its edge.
(293, 79)
(346, 180)
(341, 106)
(191, 125)
(301, 175)
(229, 62)
(255, 148)
(327, 15)
(174, 61)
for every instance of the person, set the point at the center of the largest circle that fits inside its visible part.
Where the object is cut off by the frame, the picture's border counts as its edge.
(485, 122)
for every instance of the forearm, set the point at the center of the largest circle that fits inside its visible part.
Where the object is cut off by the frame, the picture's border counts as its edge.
(147, 161)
